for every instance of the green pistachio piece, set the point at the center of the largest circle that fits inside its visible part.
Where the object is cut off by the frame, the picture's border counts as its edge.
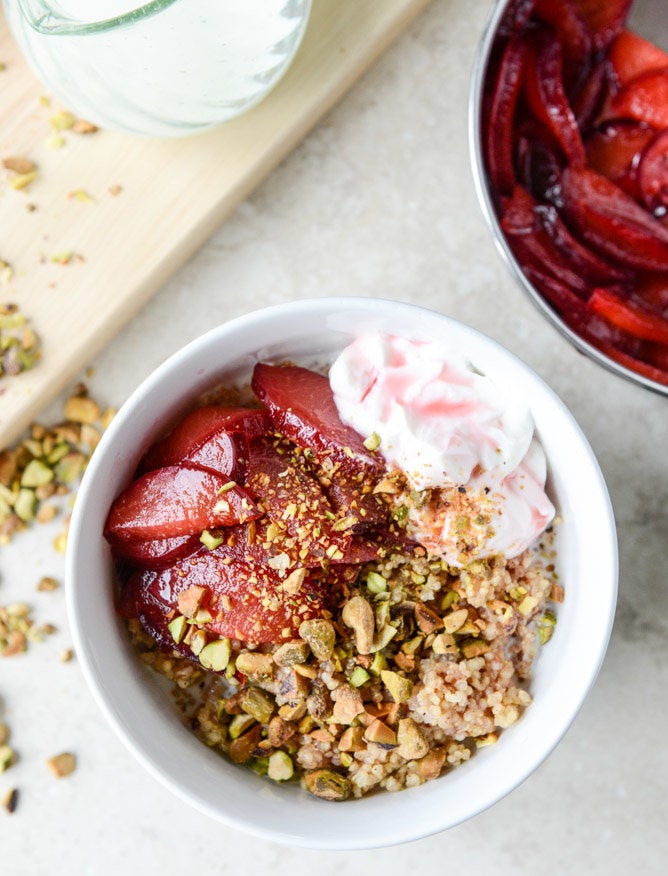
(216, 655)
(376, 583)
(36, 474)
(400, 688)
(358, 676)
(177, 627)
(210, 541)
(239, 724)
(257, 704)
(25, 505)
(280, 767)
(327, 784)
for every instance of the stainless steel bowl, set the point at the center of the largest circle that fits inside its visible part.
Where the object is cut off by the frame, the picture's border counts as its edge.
(648, 19)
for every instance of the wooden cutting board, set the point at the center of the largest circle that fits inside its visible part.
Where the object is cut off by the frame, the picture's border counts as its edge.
(174, 194)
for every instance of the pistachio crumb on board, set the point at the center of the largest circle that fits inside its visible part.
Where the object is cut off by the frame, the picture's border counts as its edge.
(20, 347)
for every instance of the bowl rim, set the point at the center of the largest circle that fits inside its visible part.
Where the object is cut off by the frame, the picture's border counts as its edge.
(148, 758)
(482, 189)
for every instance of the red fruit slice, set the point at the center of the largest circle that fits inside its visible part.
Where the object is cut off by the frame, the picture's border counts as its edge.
(591, 94)
(223, 452)
(653, 174)
(516, 17)
(157, 553)
(199, 425)
(570, 29)
(292, 497)
(652, 372)
(635, 318)
(611, 222)
(654, 291)
(301, 406)
(499, 150)
(587, 264)
(544, 91)
(531, 244)
(174, 501)
(539, 161)
(614, 151)
(631, 56)
(246, 599)
(604, 19)
(645, 98)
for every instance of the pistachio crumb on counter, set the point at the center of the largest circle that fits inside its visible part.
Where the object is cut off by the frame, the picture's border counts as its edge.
(62, 765)
(9, 800)
(45, 466)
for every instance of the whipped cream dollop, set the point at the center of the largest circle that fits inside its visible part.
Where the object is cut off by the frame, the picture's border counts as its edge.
(452, 429)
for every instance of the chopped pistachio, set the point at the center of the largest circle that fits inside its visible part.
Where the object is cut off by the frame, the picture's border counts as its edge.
(378, 664)
(210, 541)
(4, 733)
(358, 676)
(82, 409)
(6, 757)
(327, 784)
(23, 180)
(358, 615)
(25, 505)
(81, 126)
(346, 759)
(400, 688)
(62, 765)
(177, 627)
(474, 647)
(376, 583)
(258, 704)
(10, 798)
(320, 636)
(527, 605)
(254, 664)
(372, 442)
(381, 734)
(412, 741)
(19, 164)
(291, 653)
(293, 583)
(216, 655)
(239, 724)
(80, 195)
(36, 474)
(280, 767)
(62, 121)
(455, 620)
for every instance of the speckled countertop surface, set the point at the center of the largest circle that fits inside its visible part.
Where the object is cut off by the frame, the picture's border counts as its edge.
(378, 201)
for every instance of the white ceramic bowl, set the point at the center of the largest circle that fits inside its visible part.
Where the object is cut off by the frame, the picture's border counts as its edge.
(143, 715)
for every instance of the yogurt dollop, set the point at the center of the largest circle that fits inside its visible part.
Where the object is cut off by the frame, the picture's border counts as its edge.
(450, 429)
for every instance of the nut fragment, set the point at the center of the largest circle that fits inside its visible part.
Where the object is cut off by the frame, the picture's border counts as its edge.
(347, 704)
(431, 764)
(190, 600)
(352, 739)
(10, 800)
(258, 704)
(280, 767)
(279, 731)
(216, 655)
(412, 741)
(18, 164)
(255, 665)
(400, 688)
(291, 653)
(327, 784)
(62, 765)
(6, 757)
(358, 615)
(427, 620)
(82, 409)
(455, 620)
(381, 734)
(320, 636)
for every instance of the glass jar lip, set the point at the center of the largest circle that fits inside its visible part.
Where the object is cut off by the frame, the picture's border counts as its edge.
(42, 17)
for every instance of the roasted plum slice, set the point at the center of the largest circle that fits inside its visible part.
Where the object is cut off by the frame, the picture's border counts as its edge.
(615, 150)
(645, 99)
(634, 317)
(544, 91)
(653, 174)
(301, 405)
(604, 19)
(612, 222)
(154, 553)
(191, 432)
(174, 501)
(223, 452)
(245, 600)
(501, 115)
(631, 55)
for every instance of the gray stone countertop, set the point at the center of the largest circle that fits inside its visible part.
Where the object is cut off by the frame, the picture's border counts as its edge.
(378, 201)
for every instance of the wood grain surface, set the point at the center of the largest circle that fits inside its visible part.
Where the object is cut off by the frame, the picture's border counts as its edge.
(174, 194)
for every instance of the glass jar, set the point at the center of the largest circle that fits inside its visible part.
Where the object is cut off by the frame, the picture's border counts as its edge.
(165, 68)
